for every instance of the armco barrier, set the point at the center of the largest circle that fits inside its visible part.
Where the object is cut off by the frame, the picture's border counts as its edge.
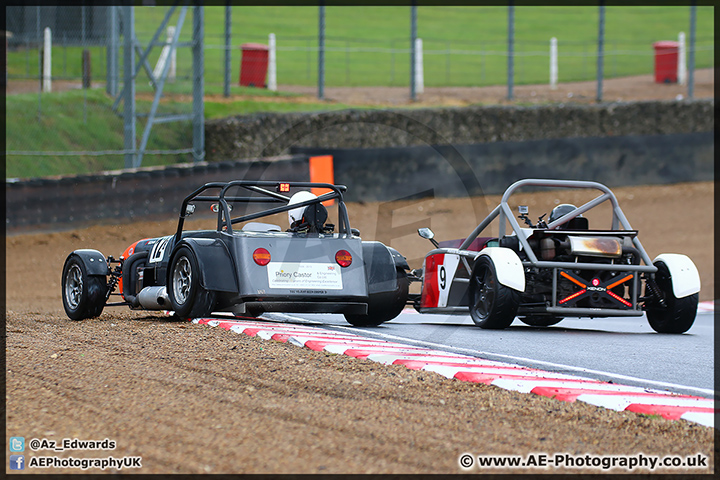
(385, 174)
(145, 193)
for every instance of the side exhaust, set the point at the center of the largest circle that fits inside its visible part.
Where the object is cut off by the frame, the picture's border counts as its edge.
(154, 298)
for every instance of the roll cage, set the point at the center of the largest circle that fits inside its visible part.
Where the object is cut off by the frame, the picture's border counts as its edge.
(504, 213)
(224, 219)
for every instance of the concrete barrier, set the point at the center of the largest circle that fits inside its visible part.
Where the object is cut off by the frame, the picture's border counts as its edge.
(384, 174)
(49, 204)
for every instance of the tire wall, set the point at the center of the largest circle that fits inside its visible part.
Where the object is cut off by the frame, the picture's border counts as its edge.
(265, 135)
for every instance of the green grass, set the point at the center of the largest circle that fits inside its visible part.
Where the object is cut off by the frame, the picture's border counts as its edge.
(65, 125)
(464, 46)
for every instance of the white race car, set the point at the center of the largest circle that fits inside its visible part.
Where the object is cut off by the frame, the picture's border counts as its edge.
(560, 267)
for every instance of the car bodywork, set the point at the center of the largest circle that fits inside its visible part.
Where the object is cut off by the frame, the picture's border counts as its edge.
(253, 269)
(556, 269)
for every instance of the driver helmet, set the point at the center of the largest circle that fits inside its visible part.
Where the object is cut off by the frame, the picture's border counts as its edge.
(296, 214)
(560, 210)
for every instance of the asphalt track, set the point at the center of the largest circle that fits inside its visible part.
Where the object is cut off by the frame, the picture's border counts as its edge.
(621, 350)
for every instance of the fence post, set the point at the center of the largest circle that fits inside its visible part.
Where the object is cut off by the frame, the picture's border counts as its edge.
(86, 69)
(419, 75)
(601, 38)
(447, 63)
(198, 82)
(691, 66)
(321, 51)
(553, 63)
(129, 84)
(413, 37)
(47, 61)
(511, 49)
(111, 80)
(681, 66)
(228, 46)
(272, 64)
(40, 55)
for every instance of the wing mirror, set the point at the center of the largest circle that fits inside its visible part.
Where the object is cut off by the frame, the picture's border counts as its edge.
(428, 234)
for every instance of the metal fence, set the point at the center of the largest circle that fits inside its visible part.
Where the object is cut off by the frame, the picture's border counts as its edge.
(82, 56)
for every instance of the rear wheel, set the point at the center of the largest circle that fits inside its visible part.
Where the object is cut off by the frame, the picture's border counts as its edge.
(187, 297)
(384, 306)
(492, 304)
(541, 320)
(678, 314)
(84, 295)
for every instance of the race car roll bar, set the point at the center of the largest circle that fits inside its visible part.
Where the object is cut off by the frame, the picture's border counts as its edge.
(504, 213)
(268, 197)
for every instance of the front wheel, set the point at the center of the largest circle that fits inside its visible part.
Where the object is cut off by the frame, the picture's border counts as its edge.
(84, 295)
(678, 314)
(384, 306)
(492, 304)
(188, 298)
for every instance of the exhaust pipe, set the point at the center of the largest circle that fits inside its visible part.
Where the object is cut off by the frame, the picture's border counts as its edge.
(154, 298)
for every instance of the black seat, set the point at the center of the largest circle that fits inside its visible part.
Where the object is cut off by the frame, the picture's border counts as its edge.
(578, 223)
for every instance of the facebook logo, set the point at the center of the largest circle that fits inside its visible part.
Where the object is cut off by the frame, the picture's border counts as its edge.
(17, 444)
(17, 462)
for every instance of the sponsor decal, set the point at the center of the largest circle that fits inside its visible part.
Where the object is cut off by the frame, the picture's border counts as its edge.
(304, 277)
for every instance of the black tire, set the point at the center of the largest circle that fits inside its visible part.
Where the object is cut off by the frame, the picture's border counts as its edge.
(541, 320)
(187, 297)
(492, 305)
(83, 295)
(678, 314)
(385, 306)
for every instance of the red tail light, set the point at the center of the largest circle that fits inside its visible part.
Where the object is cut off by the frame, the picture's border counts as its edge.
(261, 257)
(343, 258)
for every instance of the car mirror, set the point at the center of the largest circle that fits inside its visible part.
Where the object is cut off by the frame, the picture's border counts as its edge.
(426, 233)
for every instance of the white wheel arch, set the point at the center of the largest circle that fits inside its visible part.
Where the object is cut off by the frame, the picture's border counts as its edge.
(508, 267)
(684, 273)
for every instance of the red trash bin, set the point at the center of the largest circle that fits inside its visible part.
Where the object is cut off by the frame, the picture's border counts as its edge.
(253, 66)
(666, 61)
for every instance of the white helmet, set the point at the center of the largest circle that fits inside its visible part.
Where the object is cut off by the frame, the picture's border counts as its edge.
(296, 214)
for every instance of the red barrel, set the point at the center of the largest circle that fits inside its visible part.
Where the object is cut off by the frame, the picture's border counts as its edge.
(666, 62)
(253, 66)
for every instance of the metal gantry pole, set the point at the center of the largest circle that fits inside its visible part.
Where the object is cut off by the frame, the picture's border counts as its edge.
(228, 40)
(129, 84)
(162, 77)
(691, 56)
(198, 83)
(600, 54)
(511, 49)
(413, 37)
(321, 51)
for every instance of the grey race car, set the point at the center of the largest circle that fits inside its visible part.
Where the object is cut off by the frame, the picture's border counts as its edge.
(247, 269)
